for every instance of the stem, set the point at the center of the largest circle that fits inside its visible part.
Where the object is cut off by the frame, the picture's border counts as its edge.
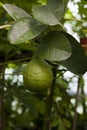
(2, 112)
(49, 103)
(5, 26)
(80, 20)
(14, 61)
(2, 120)
(76, 104)
(83, 95)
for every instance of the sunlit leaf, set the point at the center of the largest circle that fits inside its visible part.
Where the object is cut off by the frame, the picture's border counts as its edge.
(15, 12)
(25, 29)
(54, 47)
(51, 13)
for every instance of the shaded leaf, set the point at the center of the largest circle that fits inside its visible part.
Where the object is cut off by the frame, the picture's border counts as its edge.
(23, 119)
(77, 63)
(65, 4)
(5, 47)
(61, 125)
(54, 47)
(60, 81)
(55, 121)
(66, 123)
(51, 13)
(15, 12)
(24, 30)
(40, 106)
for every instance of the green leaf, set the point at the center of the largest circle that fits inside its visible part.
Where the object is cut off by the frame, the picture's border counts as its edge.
(23, 119)
(1, 3)
(61, 125)
(15, 12)
(65, 4)
(5, 47)
(66, 123)
(57, 8)
(40, 106)
(77, 63)
(55, 121)
(49, 14)
(54, 47)
(24, 30)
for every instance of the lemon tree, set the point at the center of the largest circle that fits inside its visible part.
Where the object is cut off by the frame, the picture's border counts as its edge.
(37, 75)
(36, 28)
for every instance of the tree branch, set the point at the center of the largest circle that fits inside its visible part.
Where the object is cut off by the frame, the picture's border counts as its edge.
(76, 104)
(49, 103)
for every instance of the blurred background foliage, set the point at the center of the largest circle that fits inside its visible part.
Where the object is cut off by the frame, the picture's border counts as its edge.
(76, 17)
(24, 110)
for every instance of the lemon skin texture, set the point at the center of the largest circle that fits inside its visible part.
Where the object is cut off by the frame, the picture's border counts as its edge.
(37, 75)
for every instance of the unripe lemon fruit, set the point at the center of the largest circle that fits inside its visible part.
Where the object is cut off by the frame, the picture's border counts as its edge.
(37, 75)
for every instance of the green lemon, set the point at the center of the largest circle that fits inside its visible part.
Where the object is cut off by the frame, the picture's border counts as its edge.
(37, 75)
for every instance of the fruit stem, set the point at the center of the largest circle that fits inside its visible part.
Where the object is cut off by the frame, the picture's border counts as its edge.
(49, 103)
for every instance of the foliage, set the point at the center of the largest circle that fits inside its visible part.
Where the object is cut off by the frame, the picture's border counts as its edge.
(36, 28)
(78, 19)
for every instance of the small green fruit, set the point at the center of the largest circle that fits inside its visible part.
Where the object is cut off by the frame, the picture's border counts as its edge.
(37, 75)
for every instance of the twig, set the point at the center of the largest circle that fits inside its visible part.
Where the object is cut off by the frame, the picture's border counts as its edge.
(2, 121)
(83, 95)
(80, 20)
(5, 26)
(2, 111)
(49, 103)
(76, 104)
(14, 61)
